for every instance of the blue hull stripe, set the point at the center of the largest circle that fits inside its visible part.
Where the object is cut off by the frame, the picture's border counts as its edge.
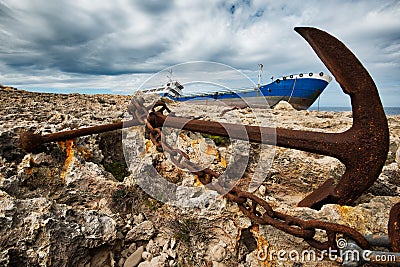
(305, 89)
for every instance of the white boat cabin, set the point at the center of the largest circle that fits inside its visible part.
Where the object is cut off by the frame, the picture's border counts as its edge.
(172, 88)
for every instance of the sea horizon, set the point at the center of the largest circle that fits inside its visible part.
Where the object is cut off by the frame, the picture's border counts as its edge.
(389, 110)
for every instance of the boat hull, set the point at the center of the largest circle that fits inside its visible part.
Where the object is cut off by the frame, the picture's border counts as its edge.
(300, 91)
(298, 103)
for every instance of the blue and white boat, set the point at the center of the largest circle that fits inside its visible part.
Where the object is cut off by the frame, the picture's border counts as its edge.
(300, 90)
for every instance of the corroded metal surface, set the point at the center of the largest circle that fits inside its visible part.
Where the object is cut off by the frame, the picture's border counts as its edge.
(394, 227)
(364, 147)
(30, 142)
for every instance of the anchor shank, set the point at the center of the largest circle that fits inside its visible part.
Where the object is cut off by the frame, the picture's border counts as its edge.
(314, 142)
(71, 134)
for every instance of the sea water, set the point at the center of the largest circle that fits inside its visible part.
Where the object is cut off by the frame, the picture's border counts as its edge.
(388, 110)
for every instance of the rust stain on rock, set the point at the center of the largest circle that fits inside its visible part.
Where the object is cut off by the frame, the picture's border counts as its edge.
(210, 150)
(68, 146)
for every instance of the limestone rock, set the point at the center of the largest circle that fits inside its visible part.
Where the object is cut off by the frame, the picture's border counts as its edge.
(398, 156)
(218, 253)
(158, 261)
(147, 256)
(41, 221)
(134, 259)
(153, 247)
(284, 105)
(142, 231)
(64, 204)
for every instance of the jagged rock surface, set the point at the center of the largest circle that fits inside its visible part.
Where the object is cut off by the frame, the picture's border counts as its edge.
(73, 203)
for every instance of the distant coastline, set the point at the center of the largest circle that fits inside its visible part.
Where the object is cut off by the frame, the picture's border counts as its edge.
(388, 110)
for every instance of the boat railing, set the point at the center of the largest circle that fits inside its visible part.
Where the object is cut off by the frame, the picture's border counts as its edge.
(301, 75)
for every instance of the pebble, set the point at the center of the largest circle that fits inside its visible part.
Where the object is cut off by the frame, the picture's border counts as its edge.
(283, 105)
(120, 235)
(218, 264)
(134, 259)
(218, 253)
(171, 253)
(166, 246)
(262, 189)
(147, 256)
(173, 242)
(156, 261)
(152, 247)
(137, 219)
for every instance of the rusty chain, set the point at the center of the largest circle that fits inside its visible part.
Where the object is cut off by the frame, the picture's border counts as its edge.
(254, 207)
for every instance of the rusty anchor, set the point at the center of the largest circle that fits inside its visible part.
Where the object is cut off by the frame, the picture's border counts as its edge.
(362, 149)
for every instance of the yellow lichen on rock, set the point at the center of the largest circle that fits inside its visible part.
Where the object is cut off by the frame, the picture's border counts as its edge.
(84, 153)
(263, 247)
(68, 147)
(197, 182)
(352, 217)
(223, 162)
(148, 145)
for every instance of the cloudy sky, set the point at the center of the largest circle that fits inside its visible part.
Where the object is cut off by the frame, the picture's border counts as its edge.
(114, 46)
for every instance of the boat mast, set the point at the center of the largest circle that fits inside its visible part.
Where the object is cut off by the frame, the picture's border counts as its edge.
(170, 75)
(260, 74)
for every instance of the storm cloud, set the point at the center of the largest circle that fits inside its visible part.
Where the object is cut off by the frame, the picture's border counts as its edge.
(117, 44)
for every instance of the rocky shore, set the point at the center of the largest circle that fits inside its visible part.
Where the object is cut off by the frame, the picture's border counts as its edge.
(78, 203)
